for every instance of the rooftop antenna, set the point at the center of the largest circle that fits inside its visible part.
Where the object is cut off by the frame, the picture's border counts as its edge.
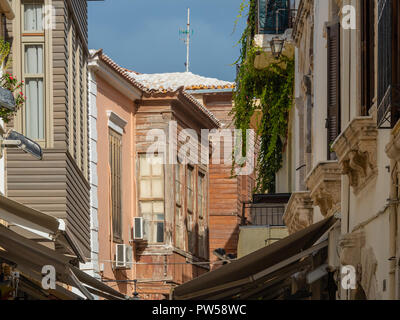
(186, 38)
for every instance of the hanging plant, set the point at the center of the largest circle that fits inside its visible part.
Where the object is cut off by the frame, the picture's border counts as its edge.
(269, 92)
(10, 82)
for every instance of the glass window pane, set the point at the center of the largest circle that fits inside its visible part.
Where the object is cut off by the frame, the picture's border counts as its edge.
(157, 167)
(189, 222)
(158, 188)
(190, 200)
(200, 204)
(178, 191)
(34, 115)
(145, 166)
(158, 207)
(160, 232)
(177, 172)
(146, 207)
(146, 231)
(33, 59)
(145, 189)
(33, 17)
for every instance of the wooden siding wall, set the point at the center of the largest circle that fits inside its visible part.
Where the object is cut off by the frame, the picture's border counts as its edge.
(57, 184)
(80, 10)
(226, 194)
(156, 116)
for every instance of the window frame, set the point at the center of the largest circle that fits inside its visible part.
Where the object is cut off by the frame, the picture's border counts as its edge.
(178, 184)
(113, 134)
(201, 193)
(34, 38)
(151, 200)
(31, 2)
(368, 37)
(180, 238)
(190, 210)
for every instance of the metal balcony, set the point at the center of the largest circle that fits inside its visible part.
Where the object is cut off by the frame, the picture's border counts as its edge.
(275, 16)
(265, 210)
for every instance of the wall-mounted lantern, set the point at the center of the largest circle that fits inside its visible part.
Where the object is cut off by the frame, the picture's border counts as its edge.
(277, 46)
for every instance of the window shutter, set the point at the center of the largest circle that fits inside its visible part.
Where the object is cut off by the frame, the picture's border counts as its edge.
(116, 183)
(333, 120)
(368, 56)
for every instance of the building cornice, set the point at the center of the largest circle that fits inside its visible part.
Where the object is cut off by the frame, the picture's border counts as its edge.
(114, 77)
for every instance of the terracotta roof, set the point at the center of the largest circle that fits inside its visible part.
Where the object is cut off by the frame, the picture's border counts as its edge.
(131, 77)
(162, 82)
(130, 71)
(117, 68)
(201, 107)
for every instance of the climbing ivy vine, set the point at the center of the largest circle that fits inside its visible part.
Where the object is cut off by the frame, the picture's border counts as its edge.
(268, 93)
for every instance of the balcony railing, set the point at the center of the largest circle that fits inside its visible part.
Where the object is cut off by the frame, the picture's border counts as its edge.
(265, 210)
(388, 86)
(275, 16)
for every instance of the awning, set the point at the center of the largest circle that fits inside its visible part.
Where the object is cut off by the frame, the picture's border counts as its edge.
(29, 258)
(42, 224)
(269, 266)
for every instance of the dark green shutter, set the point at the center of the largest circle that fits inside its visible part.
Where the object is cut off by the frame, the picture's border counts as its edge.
(333, 73)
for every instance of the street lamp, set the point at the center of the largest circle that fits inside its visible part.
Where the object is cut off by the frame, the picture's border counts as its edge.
(15, 139)
(277, 43)
(277, 46)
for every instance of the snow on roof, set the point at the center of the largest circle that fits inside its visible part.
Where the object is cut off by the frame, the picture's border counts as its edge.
(173, 81)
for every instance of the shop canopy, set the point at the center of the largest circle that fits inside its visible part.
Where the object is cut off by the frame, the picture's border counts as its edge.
(43, 225)
(29, 258)
(262, 271)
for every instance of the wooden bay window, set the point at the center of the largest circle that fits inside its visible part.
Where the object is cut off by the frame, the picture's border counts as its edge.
(151, 197)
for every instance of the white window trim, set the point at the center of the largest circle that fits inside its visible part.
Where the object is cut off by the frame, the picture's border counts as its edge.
(116, 123)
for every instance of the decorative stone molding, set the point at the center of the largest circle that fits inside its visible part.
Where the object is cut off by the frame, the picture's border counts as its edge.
(299, 212)
(393, 147)
(351, 245)
(324, 181)
(115, 122)
(356, 150)
(305, 8)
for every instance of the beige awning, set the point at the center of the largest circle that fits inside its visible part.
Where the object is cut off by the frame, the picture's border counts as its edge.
(29, 257)
(39, 223)
(268, 267)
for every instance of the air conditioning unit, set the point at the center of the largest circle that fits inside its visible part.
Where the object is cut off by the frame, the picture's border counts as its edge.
(123, 256)
(138, 226)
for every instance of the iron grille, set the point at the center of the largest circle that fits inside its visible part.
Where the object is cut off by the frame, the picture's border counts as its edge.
(388, 93)
(266, 210)
(273, 12)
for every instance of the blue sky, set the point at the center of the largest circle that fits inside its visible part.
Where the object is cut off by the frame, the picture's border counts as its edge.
(143, 35)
